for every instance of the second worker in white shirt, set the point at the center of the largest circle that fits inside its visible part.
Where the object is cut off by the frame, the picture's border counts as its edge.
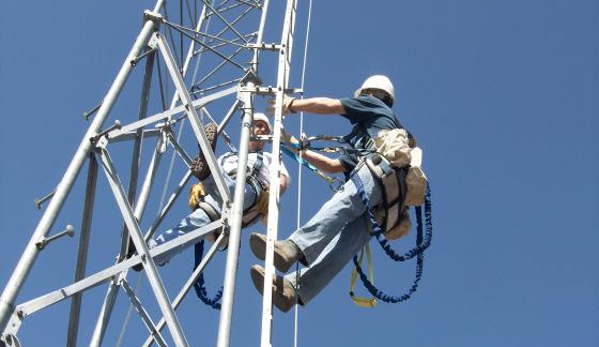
(209, 202)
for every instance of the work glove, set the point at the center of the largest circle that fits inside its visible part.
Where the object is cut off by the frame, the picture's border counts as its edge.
(290, 140)
(287, 101)
(196, 193)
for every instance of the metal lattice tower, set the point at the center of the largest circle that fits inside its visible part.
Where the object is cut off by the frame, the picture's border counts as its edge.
(210, 54)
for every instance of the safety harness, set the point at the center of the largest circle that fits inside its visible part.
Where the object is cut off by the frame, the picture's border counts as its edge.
(252, 178)
(260, 206)
(392, 210)
(402, 186)
(395, 162)
(422, 243)
(250, 214)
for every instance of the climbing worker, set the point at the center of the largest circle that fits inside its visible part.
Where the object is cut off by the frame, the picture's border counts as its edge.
(339, 230)
(204, 197)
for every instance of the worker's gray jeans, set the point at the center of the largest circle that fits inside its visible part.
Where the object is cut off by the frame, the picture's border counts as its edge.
(198, 218)
(334, 235)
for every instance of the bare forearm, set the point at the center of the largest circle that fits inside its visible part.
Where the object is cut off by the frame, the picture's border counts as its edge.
(283, 183)
(322, 162)
(319, 105)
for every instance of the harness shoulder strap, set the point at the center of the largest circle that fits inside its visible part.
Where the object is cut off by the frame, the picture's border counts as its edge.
(251, 213)
(254, 211)
(255, 171)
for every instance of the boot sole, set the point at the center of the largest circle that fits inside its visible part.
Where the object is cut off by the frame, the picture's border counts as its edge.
(199, 167)
(257, 274)
(258, 247)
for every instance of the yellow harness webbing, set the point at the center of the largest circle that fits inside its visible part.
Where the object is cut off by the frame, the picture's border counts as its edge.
(358, 300)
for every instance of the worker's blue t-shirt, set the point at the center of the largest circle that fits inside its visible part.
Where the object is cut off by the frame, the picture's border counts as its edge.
(369, 116)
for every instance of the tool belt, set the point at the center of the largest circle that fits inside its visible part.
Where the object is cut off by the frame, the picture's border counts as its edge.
(391, 213)
(257, 209)
(397, 166)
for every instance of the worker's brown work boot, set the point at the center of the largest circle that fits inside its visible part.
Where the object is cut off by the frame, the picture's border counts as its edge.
(199, 167)
(283, 292)
(286, 252)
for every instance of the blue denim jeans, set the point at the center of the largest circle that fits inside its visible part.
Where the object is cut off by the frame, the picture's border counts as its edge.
(333, 236)
(198, 218)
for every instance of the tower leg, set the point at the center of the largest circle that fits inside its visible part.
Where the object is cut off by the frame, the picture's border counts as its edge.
(88, 208)
(15, 283)
(224, 328)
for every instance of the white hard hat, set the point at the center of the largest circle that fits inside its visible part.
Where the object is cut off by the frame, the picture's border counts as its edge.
(264, 118)
(379, 82)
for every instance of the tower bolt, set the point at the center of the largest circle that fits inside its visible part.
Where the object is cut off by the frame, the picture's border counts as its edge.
(70, 231)
(91, 112)
(117, 125)
(38, 202)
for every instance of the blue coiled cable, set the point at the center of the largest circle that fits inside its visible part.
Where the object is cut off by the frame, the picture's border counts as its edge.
(199, 285)
(422, 243)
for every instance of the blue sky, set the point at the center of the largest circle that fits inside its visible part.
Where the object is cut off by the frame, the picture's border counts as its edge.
(503, 97)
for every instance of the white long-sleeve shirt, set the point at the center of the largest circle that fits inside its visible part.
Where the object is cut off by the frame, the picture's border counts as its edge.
(230, 161)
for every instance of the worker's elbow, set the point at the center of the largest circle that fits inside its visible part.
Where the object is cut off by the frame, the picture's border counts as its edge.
(334, 106)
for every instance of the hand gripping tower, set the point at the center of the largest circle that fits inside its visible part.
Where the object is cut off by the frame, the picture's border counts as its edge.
(209, 53)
